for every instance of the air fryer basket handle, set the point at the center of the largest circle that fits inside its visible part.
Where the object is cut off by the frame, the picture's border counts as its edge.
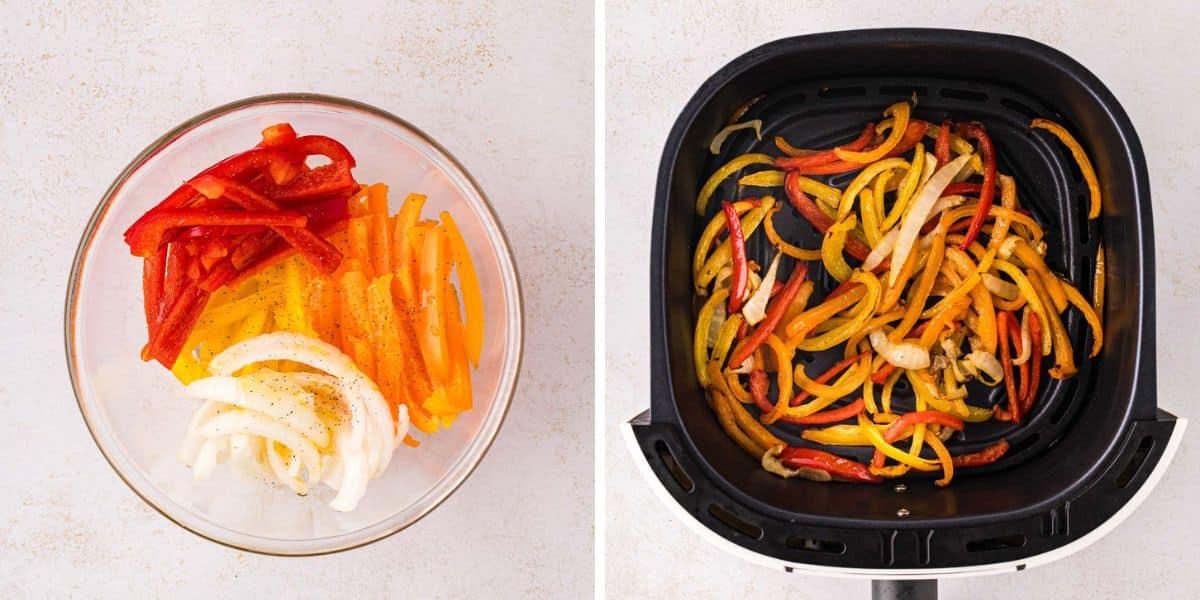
(904, 589)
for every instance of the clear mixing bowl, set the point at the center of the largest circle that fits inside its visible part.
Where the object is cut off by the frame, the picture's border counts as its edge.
(136, 411)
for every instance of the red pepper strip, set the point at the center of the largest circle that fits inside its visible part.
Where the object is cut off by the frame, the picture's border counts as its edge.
(169, 339)
(844, 287)
(826, 377)
(775, 311)
(221, 273)
(316, 250)
(941, 149)
(828, 416)
(988, 455)
(174, 278)
(146, 237)
(280, 134)
(251, 248)
(1035, 336)
(201, 231)
(907, 420)
(826, 156)
(321, 212)
(1014, 408)
(152, 287)
(328, 147)
(274, 251)
(759, 384)
(333, 179)
(880, 377)
(988, 192)
(819, 220)
(1014, 334)
(743, 329)
(836, 466)
(741, 269)
(912, 135)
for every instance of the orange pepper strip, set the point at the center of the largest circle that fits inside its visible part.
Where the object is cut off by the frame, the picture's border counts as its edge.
(431, 330)
(469, 282)
(403, 257)
(459, 388)
(380, 233)
(354, 316)
(360, 243)
(807, 320)
(387, 340)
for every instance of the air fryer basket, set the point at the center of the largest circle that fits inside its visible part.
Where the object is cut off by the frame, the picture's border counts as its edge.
(1091, 443)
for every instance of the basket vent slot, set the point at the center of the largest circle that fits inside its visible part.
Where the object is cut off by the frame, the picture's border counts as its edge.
(1135, 463)
(887, 547)
(903, 90)
(1020, 107)
(1067, 399)
(735, 522)
(924, 547)
(1002, 542)
(808, 544)
(1083, 203)
(958, 94)
(1057, 521)
(673, 467)
(842, 92)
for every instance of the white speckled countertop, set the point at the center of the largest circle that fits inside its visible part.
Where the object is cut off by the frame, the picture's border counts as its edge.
(660, 52)
(507, 89)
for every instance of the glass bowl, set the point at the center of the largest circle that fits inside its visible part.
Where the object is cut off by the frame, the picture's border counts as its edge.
(136, 411)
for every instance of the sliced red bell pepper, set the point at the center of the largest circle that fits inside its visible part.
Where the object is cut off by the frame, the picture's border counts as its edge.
(1013, 413)
(941, 148)
(333, 179)
(930, 417)
(775, 310)
(321, 212)
(308, 145)
(819, 220)
(741, 268)
(147, 235)
(829, 416)
(912, 135)
(759, 386)
(152, 287)
(315, 249)
(987, 193)
(836, 466)
(278, 135)
(173, 331)
(826, 156)
(826, 377)
(1035, 351)
(988, 455)
(251, 248)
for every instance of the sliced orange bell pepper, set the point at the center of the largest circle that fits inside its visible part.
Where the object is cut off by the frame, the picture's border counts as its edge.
(380, 234)
(469, 282)
(360, 244)
(459, 387)
(387, 340)
(353, 315)
(431, 331)
(403, 257)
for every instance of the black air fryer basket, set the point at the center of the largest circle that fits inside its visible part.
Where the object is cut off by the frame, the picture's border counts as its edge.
(1094, 445)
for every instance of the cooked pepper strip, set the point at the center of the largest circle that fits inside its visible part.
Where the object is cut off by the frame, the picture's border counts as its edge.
(827, 376)
(836, 466)
(1010, 386)
(896, 431)
(827, 156)
(733, 166)
(775, 311)
(899, 112)
(741, 269)
(988, 192)
(1089, 314)
(1081, 157)
(1035, 335)
(819, 220)
(912, 135)
(783, 360)
(986, 456)
(829, 416)
(943, 455)
(941, 148)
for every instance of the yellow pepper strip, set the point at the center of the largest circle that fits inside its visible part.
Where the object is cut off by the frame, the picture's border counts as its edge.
(869, 215)
(826, 394)
(733, 166)
(294, 298)
(724, 408)
(866, 308)
(784, 247)
(899, 112)
(1056, 296)
(886, 394)
(832, 246)
(841, 435)
(735, 387)
(967, 210)
(981, 301)
(1081, 157)
(876, 438)
(863, 179)
(908, 187)
(926, 394)
(1030, 295)
(1033, 261)
(744, 421)
(762, 179)
(700, 342)
(468, 281)
(711, 231)
(723, 254)
(1008, 200)
(794, 309)
(825, 193)
(868, 394)
(976, 414)
(803, 323)
(1089, 314)
(920, 293)
(783, 360)
(790, 150)
(943, 457)
(959, 293)
(725, 337)
(943, 319)
(1064, 354)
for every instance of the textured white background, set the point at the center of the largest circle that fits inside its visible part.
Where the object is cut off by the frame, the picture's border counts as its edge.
(660, 52)
(507, 88)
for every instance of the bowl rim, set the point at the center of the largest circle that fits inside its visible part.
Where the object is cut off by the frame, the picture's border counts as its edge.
(504, 254)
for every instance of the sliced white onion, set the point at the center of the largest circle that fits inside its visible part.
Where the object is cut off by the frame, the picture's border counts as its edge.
(987, 364)
(755, 309)
(881, 250)
(719, 139)
(904, 355)
(1001, 288)
(746, 367)
(772, 464)
(1026, 341)
(917, 214)
(714, 325)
